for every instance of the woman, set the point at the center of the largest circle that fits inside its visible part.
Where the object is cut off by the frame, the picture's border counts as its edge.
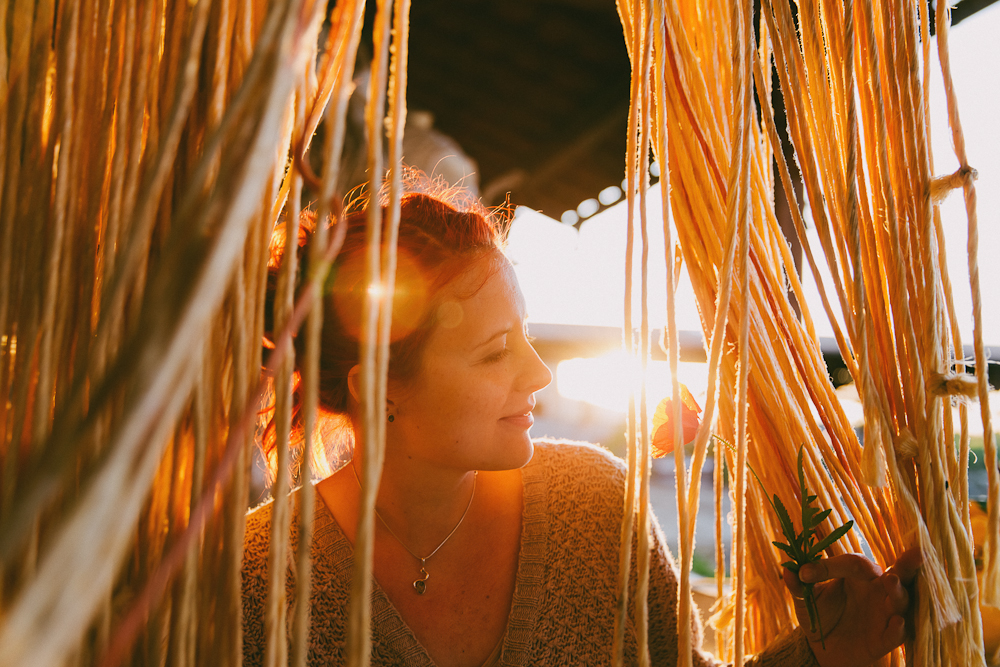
(491, 548)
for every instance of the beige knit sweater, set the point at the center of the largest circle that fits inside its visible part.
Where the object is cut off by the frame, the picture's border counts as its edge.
(564, 597)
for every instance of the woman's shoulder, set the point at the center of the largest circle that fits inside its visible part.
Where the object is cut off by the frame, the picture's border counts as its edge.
(254, 575)
(257, 539)
(260, 515)
(257, 536)
(575, 457)
(258, 521)
(579, 470)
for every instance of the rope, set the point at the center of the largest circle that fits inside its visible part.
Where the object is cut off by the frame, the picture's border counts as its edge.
(310, 370)
(631, 15)
(788, 60)
(991, 570)
(738, 212)
(684, 641)
(641, 607)
(371, 440)
(873, 457)
(346, 21)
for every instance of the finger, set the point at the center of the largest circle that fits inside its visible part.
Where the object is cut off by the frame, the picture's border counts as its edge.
(793, 584)
(908, 565)
(895, 633)
(845, 566)
(897, 598)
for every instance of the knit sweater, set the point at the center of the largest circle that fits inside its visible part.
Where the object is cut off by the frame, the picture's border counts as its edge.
(563, 607)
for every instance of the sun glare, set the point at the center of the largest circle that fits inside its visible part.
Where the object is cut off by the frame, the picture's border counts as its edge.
(608, 381)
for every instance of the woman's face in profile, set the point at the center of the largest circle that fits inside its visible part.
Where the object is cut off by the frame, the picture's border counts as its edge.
(469, 406)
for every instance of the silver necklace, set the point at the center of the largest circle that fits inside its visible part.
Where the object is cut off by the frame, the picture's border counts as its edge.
(420, 585)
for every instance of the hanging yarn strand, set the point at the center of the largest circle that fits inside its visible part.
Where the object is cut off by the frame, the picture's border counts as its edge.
(991, 583)
(374, 347)
(643, 464)
(631, 14)
(310, 371)
(868, 182)
(179, 168)
(738, 211)
(659, 132)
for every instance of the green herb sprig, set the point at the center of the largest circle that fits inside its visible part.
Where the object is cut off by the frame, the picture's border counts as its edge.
(801, 547)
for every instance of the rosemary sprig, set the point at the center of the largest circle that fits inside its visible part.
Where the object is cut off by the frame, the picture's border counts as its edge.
(801, 547)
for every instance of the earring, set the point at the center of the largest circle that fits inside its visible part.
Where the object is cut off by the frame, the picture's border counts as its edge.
(392, 418)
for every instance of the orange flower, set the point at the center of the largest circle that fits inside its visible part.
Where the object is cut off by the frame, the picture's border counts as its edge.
(663, 429)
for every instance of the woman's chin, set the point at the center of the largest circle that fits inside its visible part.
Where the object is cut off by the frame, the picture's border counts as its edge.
(529, 451)
(517, 455)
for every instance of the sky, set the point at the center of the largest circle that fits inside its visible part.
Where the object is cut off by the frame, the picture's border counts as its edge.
(975, 67)
(577, 277)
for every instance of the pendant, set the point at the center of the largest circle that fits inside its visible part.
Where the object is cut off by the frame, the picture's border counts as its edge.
(420, 585)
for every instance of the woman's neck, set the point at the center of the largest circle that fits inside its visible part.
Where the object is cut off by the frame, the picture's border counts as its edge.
(421, 503)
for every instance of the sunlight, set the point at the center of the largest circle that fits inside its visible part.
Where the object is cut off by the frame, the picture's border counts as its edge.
(608, 381)
(577, 276)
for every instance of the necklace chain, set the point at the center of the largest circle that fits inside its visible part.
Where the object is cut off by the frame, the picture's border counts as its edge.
(420, 585)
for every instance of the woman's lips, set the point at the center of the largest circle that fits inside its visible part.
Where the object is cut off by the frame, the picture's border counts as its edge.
(520, 420)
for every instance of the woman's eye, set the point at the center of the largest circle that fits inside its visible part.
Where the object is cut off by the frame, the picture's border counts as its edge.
(498, 355)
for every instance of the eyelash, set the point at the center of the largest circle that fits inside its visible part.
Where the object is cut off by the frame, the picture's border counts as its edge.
(502, 354)
(497, 356)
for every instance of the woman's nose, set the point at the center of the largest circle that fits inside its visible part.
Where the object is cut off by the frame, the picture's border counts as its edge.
(539, 375)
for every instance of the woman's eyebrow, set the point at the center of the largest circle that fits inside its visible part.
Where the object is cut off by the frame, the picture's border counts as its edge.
(494, 337)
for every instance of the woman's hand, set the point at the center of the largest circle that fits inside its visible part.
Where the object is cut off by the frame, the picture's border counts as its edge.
(864, 612)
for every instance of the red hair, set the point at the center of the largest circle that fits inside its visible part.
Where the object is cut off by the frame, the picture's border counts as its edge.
(441, 235)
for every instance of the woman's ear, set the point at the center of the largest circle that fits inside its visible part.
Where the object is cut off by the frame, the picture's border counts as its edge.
(354, 387)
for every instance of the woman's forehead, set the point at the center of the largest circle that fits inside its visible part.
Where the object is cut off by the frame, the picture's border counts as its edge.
(482, 301)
